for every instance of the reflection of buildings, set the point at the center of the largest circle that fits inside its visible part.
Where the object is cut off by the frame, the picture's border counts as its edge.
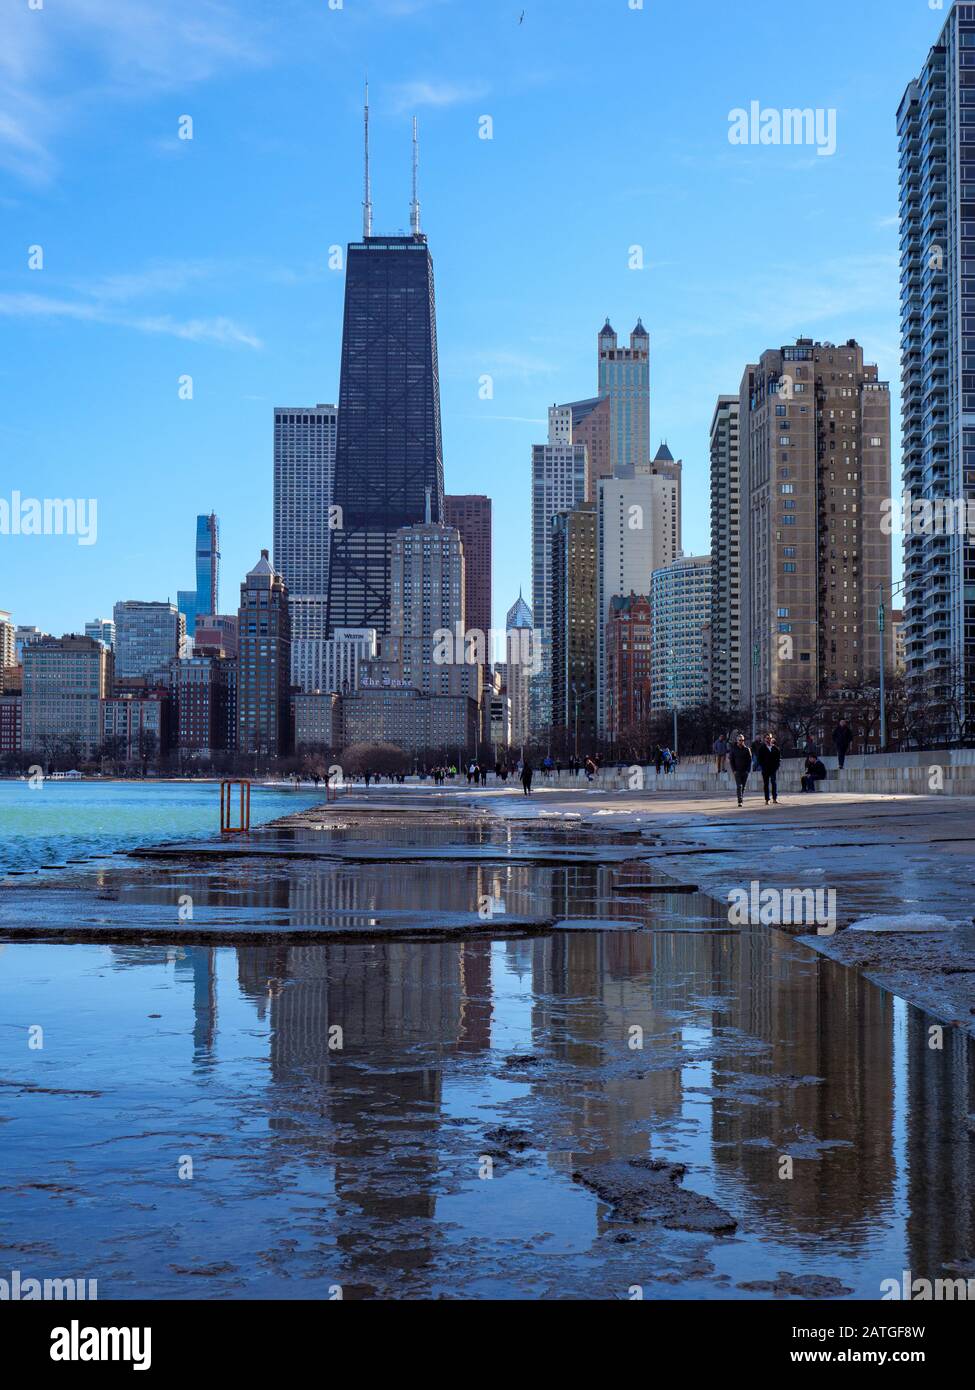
(194, 964)
(818, 1020)
(399, 1007)
(940, 1149)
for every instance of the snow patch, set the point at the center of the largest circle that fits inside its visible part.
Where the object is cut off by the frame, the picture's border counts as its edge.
(911, 922)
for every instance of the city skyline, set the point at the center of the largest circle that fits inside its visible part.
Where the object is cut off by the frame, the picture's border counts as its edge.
(140, 342)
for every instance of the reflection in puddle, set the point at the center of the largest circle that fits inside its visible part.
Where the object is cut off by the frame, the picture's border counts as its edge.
(336, 1100)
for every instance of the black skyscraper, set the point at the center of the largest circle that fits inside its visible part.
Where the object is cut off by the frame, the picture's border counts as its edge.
(388, 451)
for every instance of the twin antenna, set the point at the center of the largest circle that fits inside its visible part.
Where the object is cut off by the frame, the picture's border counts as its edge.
(367, 202)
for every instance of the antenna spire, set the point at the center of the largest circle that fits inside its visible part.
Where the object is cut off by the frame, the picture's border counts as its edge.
(367, 203)
(415, 205)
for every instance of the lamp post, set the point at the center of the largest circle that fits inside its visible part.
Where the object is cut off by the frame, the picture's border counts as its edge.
(881, 628)
(755, 657)
(577, 701)
(671, 658)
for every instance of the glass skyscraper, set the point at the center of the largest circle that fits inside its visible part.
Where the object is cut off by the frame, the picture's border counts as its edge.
(203, 601)
(936, 130)
(389, 455)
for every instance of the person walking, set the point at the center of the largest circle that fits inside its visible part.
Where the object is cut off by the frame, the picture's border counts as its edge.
(721, 752)
(658, 758)
(769, 761)
(740, 759)
(527, 773)
(842, 738)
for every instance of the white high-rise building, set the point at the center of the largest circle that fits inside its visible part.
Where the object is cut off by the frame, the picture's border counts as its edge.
(636, 533)
(103, 630)
(558, 485)
(304, 476)
(8, 646)
(517, 669)
(332, 665)
(680, 604)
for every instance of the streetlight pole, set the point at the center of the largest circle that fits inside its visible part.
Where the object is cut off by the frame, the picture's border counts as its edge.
(755, 651)
(881, 628)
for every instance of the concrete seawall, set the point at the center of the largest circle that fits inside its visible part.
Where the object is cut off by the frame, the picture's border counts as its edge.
(948, 772)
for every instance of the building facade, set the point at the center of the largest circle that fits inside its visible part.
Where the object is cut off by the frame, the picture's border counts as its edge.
(574, 626)
(264, 663)
(428, 624)
(148, 637)
(389, 455)
(636, 533)
(680, 603)
(216, 634)
(103, 630)
(814, 456)
(725, 654)
(558, 485)
(442, 726)
(519, 669)
(8, 643)
(11, 723)
(203, 692)
(628, 666)
(624, 380)
(936, 133)
(471, 516)
(317, 721)
(305, 440)
(65, 681)
(136, 727)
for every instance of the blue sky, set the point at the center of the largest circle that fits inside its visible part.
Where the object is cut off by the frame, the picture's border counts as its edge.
(208, 258)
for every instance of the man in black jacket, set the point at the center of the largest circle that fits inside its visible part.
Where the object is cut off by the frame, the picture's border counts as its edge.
(769, 760)
(740, 759)
(842, 738)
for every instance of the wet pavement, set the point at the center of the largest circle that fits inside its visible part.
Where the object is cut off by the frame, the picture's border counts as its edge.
(544, 1073)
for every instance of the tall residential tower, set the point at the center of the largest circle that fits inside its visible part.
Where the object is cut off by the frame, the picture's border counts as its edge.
(936, 130)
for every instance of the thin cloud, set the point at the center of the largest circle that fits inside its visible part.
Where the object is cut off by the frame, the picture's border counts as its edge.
(135, 49)
(220, 330)
(413, 96)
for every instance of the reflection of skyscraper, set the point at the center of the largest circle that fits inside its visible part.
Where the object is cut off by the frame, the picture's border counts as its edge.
(388, 450)
(362, 1029)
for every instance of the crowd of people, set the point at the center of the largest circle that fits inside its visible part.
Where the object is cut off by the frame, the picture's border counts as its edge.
(732, 753)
